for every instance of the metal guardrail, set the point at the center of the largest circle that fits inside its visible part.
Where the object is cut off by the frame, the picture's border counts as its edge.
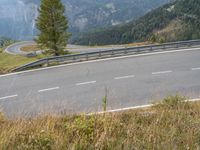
(108, 53)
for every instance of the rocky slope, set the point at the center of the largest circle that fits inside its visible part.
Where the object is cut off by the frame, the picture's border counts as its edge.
(178, 20)
(17, 19)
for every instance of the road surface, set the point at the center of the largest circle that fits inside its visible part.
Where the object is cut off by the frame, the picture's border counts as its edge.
(76, 88)
(15, 49)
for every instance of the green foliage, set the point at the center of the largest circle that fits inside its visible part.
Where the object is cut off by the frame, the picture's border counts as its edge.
(148, 27)
(105, 100)
(172, 102)
(37, 141)
(53, 26)
(4, 42)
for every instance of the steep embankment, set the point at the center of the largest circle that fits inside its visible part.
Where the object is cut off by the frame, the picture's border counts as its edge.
(179, 20)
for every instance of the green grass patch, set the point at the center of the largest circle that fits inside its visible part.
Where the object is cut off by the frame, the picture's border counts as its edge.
(9, 62)
(172, 124)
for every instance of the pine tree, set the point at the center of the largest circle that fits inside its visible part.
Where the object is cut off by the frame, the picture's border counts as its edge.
(53, 26)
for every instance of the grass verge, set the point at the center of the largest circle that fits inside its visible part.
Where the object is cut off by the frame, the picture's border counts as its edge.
(172, 124)
(30, 48)
(9, 62)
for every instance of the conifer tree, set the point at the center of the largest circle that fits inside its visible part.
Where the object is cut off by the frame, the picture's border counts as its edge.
(52, 25)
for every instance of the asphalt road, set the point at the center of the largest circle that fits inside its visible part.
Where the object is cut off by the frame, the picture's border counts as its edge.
(15, 49)
(76, 88)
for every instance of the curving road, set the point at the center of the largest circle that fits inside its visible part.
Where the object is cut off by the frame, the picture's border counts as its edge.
(129, 81)
(15, 49)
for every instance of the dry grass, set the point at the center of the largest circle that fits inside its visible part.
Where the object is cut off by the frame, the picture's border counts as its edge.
(138, 44)
(172, 31)
(123, 45)
(30, 48)
(173, 124)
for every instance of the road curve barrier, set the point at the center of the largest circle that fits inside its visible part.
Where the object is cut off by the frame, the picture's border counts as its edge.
(73, 58)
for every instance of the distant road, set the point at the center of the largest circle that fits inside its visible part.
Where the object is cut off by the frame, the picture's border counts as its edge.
(15, 49)
(75, 88)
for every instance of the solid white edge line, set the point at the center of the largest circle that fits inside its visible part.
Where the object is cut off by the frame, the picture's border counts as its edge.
(15, 44)
(194, 69)
(7, 97)
(49, 89)
(134, 107)
(100, 60)
(124, 77)
(85, 83)
(161, 72)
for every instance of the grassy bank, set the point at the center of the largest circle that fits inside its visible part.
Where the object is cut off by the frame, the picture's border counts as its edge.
(9, 62)
(173, 124)
(30, 48)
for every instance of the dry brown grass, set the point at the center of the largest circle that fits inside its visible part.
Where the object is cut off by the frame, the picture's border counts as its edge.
(30, 48)
(173, 124)
(171, 32)
(138, 44)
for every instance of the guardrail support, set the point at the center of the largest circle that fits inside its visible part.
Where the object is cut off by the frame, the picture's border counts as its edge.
(164, 47)
(87, 57)
(47, 62)
(100, 54)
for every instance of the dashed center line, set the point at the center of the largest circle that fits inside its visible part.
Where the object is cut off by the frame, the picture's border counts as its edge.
(124, 77)
(161, 72)
(7, 97)
(85, 83)
(49, 89)
(193, 69)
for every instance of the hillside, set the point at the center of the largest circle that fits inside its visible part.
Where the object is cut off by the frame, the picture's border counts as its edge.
(172, 124)
(17, 19)
(179, 20)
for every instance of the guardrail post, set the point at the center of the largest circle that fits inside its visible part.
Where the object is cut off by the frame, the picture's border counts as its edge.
(74, 58)
(125, 52)
(100, 54)
(113, 53)
(164, 47)
(87, 57)
(47, 61)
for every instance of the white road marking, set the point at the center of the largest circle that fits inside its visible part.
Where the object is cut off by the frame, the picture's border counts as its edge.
(161, 72)
(194, 69)
(85, 83)
(7, 97)
(49, 89)
(101, 60)
(135, 107)
(124, 77)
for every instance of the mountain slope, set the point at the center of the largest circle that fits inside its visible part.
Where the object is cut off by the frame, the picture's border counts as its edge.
(17, 19)
(179, 20)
